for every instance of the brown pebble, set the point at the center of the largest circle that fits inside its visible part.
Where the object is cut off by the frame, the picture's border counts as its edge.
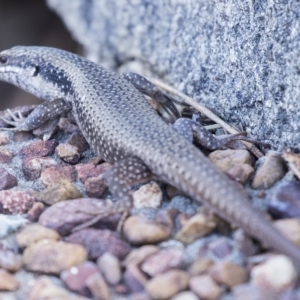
(167, 284)
(67, 153)
(15, 202)
(95, 187)
(205, 287)
(52, 257)
(7, 180)
(33, 233)
(57, 173)
(135, 279)
(97, 242)
(290, 228)
(241, 172)
(62, 190)
(39, 148)
(8, 282)
(78, 140)
(67, 126)
(228, 273)
(86, 171)
(5, 156)
(110, 267)
(186, 295)
(35, 211)
(200, 266)
(139, 230)
(98, 287)
(138, 255)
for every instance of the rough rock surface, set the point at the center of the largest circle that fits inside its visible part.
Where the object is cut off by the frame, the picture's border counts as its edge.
(238, 57)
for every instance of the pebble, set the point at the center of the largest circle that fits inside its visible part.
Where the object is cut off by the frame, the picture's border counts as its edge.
(148, 195)
(227, 159)
(86, 171)
(187, 295)
(200, 265)
(33, 233)
(290, 228)
(58, 173)
(197, 226)
(138, 255)
(221, 247)
(276, 273)
(7, 180)
(68, 153)
(52, 257)
(167, 284)
(247, 291)
(43, 288)
(205, 287)
(10, 224)
(32, 166)
(97, 242)
(139, 230)
(285, 201)
(15, 202)
(65, 215)
(62, 190)
(38, 148)
(8, 282)
(163, 261)
(35, 211)
(5, 156)
(4, 138)
(272, 170)
(98, 287)
(9, 260)
(135, 279)
(95, 187)
(228, 273)
(241, 173)
(78, 140)
(110, 267)
(75, 277)
(67, 126)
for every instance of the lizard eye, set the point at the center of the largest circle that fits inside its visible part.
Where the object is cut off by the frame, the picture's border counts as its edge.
(3, 59)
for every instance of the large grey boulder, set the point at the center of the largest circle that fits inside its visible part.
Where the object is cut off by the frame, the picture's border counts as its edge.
(241, 58)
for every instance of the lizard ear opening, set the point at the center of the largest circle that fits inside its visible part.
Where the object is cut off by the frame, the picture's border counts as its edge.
(36, 71)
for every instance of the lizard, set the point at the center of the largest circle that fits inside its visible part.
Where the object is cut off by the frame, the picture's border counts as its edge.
(122, 127)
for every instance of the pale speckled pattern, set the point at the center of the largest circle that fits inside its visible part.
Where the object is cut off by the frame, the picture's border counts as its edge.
(125, 130)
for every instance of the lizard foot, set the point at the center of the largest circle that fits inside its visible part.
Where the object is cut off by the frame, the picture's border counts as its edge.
(17, 121)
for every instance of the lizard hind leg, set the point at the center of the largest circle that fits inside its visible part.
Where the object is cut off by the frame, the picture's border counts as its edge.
(119, 178)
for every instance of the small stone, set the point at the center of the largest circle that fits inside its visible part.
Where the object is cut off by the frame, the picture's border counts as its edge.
(5, 156)
(7, 181)
(58, 173)
(247, 291)
(220, 247)
(244, 243)
(35, 211)
(200, 265)
(148, 195)
(227, 159)
(197, 226)
(23, 136)
(43, 289)
(290, 228)
(52, 257)
(4, 138)
(163, 261)
(39, 148)
(78, 140)
(9, 260)
(15, 202)
(32, 166)
(8, 282)
(10, 224)
(98, 287)
(68, 153)
(97, 242)
(276, 273)
(205, 287)
(167, 284)
(110, 267)
(138, 255)
(187, 295)
(75, 277)
(95, 187)
(241, 172)
(135, 279)
(86, 171)
(65, 215)
(33, 233)
(139, 230)
(272, 170)
(285, 201)
(67, 126)
(228, 273)
(62, 190)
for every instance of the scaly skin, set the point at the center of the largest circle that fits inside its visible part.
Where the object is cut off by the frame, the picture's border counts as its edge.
(122, 127)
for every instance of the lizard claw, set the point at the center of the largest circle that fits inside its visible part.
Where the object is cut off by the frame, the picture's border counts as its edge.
(17, 120)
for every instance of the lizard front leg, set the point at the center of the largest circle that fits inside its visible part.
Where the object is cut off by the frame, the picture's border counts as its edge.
(119, 178)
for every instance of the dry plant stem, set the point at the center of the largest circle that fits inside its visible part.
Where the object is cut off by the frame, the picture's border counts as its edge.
(206, 112)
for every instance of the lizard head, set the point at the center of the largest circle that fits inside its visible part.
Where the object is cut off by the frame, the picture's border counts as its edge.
(36, 70)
